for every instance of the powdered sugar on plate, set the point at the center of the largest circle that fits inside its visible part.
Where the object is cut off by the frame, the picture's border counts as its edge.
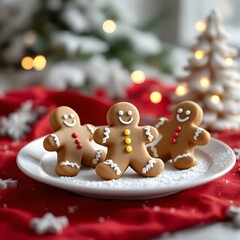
(214, 160)
(131, 180)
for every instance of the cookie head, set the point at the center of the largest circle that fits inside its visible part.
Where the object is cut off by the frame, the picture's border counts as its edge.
(123, 113)
(64, 117)
(188, 112)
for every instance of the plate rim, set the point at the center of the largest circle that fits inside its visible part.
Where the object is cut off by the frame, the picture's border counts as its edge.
(106, 192)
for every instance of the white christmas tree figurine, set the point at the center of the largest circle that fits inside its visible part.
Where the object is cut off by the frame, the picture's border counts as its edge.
(213, 81)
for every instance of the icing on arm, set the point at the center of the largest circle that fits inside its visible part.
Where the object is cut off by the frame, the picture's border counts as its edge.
(90, 128)
(148, 133)
(160, 122)
(106, 135)
(55, 139)
(197, 133)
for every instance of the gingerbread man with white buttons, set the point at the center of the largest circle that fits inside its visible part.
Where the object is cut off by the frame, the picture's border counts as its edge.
(180, 135)
(125, 141)
(71, 141)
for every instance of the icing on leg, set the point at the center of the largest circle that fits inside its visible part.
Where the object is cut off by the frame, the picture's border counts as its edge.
(149, 165)
(113, 165)
(184, 161)
(70, 164)
(184, 155)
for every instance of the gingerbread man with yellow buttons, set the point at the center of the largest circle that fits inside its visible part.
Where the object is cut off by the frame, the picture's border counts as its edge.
(125, 141)
(180, 135)
(71, 141)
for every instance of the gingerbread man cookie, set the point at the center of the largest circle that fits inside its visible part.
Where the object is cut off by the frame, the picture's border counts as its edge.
(126, 141)
(180, 135)
(71, 141)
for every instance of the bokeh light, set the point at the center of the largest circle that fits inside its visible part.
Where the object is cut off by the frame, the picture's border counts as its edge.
(39, 62)
(181, 90)
(156, 97)
(200, 25)
(27, 63)
(138, 76)
(215, 99)
(109, 26)
(204, 82)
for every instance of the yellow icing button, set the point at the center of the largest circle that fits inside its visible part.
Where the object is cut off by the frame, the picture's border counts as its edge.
(128, 149)
(127, 132)
(128, 140)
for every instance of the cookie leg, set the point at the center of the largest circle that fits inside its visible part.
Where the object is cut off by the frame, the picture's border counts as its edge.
(183, 160)
(148, 167)
(111, 170)
(67, 168)
(92, 158)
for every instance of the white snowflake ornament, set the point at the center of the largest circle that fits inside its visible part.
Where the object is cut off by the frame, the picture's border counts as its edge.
(8, 183)
(234, 213)
(17, 124)
(49, 224)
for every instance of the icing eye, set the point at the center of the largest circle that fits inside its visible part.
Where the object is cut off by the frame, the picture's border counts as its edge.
(71, 115)
(65, 116)
(129, 113)
(188, 112)
(180, 110)
(120, 112)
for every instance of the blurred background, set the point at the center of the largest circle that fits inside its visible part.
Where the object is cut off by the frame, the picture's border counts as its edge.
(102, 44)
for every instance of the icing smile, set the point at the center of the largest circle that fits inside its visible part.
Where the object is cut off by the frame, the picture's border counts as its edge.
(129, 113)
(69, 124)
(125, 122)
(179, 119)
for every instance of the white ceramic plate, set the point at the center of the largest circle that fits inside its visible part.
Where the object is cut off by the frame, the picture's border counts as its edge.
(214, 160)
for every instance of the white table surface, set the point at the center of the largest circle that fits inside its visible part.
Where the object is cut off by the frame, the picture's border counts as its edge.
(216, 231)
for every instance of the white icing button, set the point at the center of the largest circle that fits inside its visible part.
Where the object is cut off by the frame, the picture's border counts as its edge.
(71, 115)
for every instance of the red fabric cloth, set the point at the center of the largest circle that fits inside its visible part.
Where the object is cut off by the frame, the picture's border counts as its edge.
(122, 219)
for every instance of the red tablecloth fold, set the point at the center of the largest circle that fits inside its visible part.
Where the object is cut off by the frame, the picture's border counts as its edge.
(96, 218)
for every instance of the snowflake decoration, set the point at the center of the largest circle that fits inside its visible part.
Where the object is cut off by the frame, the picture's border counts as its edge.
(8, 183)
(234, 213)
(237, 153)
(48, 224)
(17, 124)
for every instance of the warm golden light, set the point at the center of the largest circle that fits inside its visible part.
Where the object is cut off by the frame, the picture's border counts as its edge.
(138, 76)
(199, 54)
(109, 26)
(39, 62)
(156, 97)
(181, 90)
(215, 99)
(229, 61)
(27, 63)
(200, 26)
(204, 82)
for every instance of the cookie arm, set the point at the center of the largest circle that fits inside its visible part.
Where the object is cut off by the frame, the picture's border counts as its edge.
(201, 136)
(150, 133)
(52, 142)
(161, 124)
(90, 130)
(102, 136)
